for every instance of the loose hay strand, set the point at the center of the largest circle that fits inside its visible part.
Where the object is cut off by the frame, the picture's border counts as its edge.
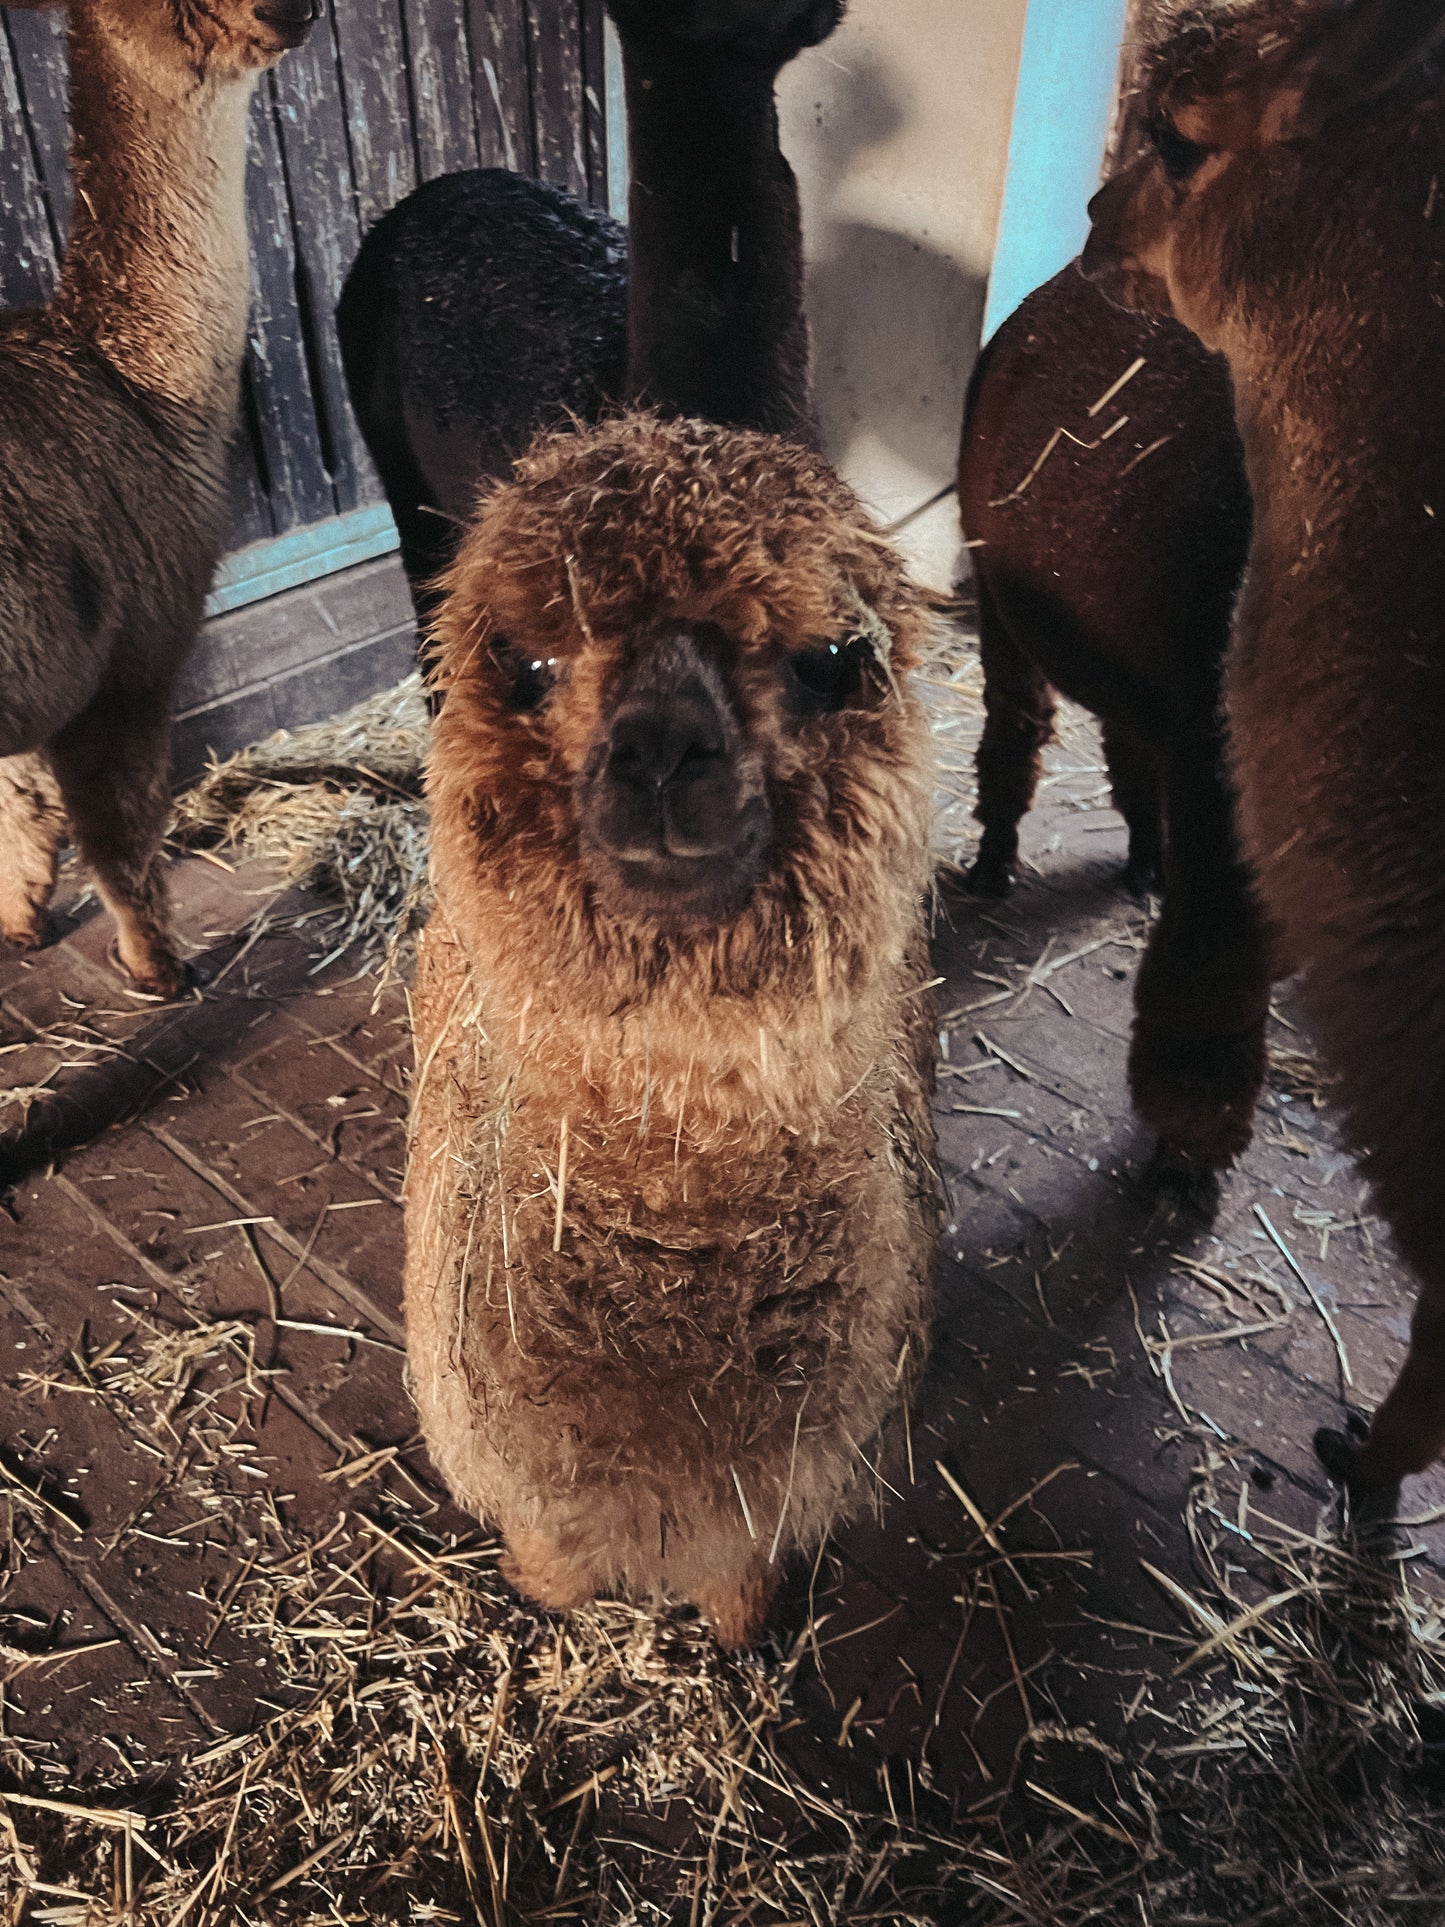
(338, 806)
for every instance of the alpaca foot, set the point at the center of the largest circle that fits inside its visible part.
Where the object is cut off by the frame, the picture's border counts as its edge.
(152, 966)
(989, 878)
(1373, 1496)
(32, 830)
(768, 32)
(25, 925)
(737, 1612)
(1198, 1092)
(536, 1566)
(1341, 1452)
(1174, 1175)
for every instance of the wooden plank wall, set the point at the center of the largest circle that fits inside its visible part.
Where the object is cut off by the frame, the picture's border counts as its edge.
(385, 94)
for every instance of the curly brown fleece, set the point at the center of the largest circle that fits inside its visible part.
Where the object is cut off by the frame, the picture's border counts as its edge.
(671, 1207)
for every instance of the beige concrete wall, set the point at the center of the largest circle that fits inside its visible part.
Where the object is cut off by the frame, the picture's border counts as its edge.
(898, 128)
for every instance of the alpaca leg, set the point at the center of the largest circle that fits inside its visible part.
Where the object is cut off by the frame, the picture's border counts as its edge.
(32, 829)
(537, 1567)
(1408, 1433)
(737, 1608)
(1202, 996)
(1134, 778)
(112, 765)
(1018, 721)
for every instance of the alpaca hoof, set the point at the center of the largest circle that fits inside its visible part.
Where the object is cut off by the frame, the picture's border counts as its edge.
(1373, 1500)
(988, 879)
(1198, 1092)
(1182, 1180)
(739, 1612)
(27, 932)
(535, 1566)
(161, 975)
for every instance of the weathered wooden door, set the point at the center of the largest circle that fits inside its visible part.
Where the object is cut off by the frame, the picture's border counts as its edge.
(385, 94)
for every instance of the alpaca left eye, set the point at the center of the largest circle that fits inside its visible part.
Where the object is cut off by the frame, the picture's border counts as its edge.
(1179, 157)
(830, 677)
(531, 676)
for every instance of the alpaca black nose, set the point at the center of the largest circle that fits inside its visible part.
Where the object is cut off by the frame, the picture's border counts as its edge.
(673, 806)
(289, 17)
(673, 783)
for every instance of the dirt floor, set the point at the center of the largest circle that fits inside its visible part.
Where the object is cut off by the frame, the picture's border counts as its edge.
(201, 1357)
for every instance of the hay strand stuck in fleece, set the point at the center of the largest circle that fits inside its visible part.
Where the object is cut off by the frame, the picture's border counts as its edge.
(338, 805)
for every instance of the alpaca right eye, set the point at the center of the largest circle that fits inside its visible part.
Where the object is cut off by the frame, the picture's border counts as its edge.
(1180, 158)
(830, 677)
(530, 677)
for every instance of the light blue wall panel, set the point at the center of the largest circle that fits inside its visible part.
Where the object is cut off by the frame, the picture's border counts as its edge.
(1063, 110)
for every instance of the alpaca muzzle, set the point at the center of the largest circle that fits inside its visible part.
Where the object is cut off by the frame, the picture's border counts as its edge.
(289, 20)
(674, 812)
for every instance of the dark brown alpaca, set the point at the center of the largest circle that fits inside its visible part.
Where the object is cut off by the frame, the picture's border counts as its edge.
(486, 306)
(1109, 546)
(116, 403)
(670, 1207)
(1290, 213)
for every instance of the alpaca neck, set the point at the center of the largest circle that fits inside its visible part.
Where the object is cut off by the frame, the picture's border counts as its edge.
(716, 327)
(156, 276)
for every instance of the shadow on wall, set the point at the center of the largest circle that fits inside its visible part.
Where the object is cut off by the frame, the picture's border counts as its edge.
(896, 322)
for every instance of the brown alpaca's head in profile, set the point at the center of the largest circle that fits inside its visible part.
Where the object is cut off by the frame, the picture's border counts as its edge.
(674, 722)
(1241, 98)
(199, 39)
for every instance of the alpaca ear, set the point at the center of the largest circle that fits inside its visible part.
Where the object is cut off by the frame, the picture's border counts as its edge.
(1354, 53)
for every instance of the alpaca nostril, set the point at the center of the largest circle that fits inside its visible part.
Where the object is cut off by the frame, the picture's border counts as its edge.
(653, 753)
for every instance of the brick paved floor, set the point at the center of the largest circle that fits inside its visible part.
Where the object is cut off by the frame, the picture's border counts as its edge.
(232, 1167)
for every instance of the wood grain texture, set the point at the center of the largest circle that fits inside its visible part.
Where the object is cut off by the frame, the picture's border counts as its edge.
(443, 105)
(376, 95)
(321, 187)
(554, 46)
(501, 82)
(288, 449)
(27, 245)
(37, 44)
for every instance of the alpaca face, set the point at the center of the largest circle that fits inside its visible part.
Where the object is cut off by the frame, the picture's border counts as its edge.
(1240, 101)
(671, 656)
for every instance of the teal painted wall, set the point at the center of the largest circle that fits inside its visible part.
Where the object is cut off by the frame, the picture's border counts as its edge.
(1063, 111)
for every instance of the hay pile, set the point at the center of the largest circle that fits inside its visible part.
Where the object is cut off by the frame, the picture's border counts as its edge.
(426, 1748)
(450, 1756)
(1289, 1768)
(338, 806)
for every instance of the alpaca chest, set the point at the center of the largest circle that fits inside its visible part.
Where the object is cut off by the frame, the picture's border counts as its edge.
(602, 1311)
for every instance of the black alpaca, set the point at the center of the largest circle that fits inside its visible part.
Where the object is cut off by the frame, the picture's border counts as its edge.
(487, 306)
(1109, 570)
(482, 308)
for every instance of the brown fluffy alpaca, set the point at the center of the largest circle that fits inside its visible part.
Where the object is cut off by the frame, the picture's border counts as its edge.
(1112, 577)
(1290, 214)
(670, 1205)
(116, 403)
